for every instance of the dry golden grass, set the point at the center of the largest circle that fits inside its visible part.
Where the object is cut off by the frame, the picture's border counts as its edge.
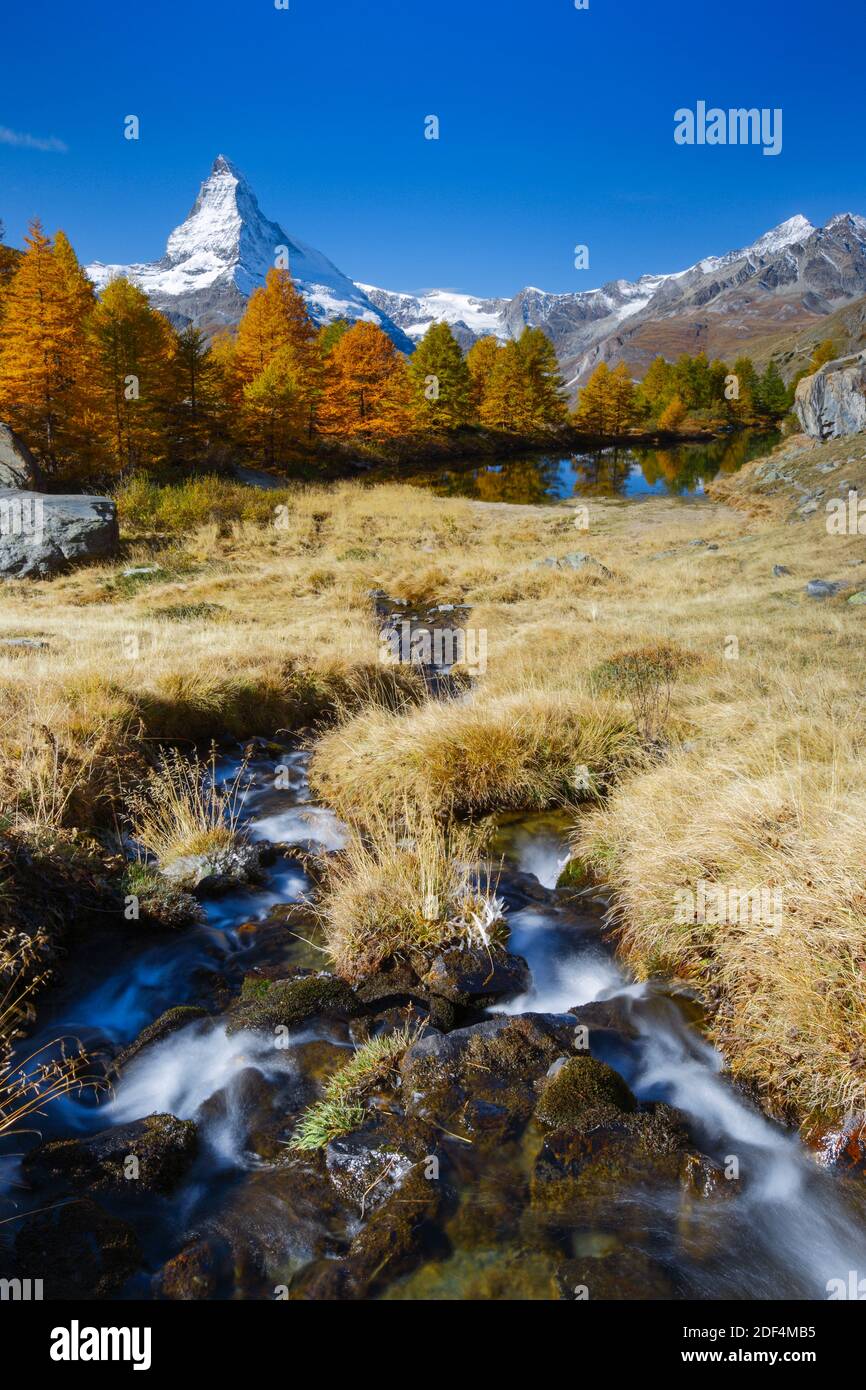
(405, 883)
(181, 808)
(525, 749)
(249, 627)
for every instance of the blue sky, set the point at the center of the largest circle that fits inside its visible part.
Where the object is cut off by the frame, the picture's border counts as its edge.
(556, 128)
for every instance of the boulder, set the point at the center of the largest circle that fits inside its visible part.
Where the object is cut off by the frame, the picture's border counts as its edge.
(824, 588)
(577, 1085)
(165, 1149)
(269, 1004)
(41, 534)
(832, 401)
(18, 467)
(477, 976)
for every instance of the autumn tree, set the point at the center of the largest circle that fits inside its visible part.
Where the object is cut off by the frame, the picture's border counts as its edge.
(277, 369)
(543, 400)
(8, 260)
(746, 383)
(440, 380)
(480, 361)
(367, 392)
(195, 408)
(502, 405)
(771, 394)
(43, 348)
(592, 409)
(657, 387)
(673, 414)
(330, 334)
(133, 350)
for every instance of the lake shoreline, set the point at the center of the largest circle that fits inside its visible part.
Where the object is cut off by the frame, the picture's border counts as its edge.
(477, 446)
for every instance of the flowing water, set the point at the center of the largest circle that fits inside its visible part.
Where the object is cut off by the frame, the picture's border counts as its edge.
(794, 1226)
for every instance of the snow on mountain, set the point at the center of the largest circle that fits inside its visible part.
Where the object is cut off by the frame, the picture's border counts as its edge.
(415, 313)
(788, 277)
(223, 251)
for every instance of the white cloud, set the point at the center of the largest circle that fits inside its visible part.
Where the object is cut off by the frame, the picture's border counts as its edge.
(22, 141)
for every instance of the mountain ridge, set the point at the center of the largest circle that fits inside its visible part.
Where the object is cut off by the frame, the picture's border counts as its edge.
(784, 282)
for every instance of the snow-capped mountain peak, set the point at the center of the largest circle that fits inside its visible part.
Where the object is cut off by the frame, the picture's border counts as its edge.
(224, 249)
(788, 233)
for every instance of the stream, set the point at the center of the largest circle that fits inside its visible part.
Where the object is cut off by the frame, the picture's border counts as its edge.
(794, 1224)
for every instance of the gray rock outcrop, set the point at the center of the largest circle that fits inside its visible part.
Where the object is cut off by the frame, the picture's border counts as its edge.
(18, 467)
(42, 534)
(832, 401)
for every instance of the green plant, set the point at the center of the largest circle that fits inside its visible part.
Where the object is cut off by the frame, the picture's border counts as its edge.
(341, 1108)
(646, 675)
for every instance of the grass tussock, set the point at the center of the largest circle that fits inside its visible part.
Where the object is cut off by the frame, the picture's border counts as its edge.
(526, 749)
(182, 809)
(786, 976)
(342, 1107)
(402, 885)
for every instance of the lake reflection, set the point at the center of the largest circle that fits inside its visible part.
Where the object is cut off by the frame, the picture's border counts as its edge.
(682, 471)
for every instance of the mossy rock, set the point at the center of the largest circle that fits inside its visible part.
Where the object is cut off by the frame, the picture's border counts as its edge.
(590, 1172)
(164, 1147)
(625, 1274)
(288, 1003)
(581, 1084)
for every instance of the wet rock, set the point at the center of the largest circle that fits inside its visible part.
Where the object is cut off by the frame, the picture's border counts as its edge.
(365, 1170)
(276, 1222)
(482, 1079)
(193, 1273)
(289, 1003)
(245, 1108)
(163, 1147)
(608, 1017)
(209, 875)
(477, 977)
(579, 1085)
(623, 1273)
(590, 1174)
(78, 1250)
(395, 982)
(169, 1022)
(400, 1233)
(703, 1187)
